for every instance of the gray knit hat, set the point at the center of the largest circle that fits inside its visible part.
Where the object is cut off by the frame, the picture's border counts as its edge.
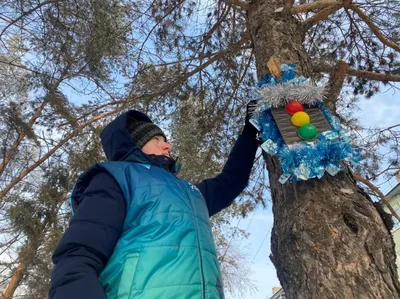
(141, 132)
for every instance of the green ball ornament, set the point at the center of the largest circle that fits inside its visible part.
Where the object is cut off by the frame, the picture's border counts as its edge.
(308, 132)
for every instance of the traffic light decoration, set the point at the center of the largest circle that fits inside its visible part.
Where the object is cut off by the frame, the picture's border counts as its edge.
(296, 126)
(301, 119)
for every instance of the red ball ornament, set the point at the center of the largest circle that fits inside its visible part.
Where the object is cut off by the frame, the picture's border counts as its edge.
(293, 107)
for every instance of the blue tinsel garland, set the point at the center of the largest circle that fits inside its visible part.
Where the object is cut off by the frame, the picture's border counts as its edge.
(304, 160)
(288, 74)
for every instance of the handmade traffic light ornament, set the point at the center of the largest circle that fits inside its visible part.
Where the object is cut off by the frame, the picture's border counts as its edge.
(296, 126)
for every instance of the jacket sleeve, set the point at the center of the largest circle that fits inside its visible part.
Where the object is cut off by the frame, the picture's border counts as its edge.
(89, 241)
(219, 192)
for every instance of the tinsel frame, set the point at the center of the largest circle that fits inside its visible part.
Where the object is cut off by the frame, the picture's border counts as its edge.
(303, 160)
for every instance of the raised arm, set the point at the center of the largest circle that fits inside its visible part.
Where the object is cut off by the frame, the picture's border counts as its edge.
(219, 192)
(89, 241)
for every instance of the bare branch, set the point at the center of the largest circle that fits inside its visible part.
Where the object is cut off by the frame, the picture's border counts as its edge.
(226, 106)
(19, 66)
(322, 15)
(377, 191)
(389, 128)
(156, 25)
(314, 5)
(326, 68)
(335, 84)
(11, 23)
(373, 28)
(373, 75)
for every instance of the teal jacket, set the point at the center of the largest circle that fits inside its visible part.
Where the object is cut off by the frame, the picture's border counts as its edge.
(167, 248)
(164, 247)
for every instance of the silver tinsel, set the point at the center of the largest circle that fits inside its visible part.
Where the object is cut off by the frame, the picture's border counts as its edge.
(281, 94)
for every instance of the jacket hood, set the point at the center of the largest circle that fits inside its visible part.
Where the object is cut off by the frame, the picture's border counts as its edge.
(117, 143)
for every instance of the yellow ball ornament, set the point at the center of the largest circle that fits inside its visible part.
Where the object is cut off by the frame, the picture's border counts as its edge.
(300, 118)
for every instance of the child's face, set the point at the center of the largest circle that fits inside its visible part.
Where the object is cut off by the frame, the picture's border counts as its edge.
(157, 146)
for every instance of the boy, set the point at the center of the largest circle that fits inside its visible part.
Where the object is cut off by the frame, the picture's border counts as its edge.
(138, 231)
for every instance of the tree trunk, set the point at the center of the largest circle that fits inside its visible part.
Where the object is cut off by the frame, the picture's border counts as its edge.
(26, 257)
(328, 239)
(14, 282)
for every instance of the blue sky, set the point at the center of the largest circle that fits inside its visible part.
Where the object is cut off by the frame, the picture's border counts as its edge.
(382, 110)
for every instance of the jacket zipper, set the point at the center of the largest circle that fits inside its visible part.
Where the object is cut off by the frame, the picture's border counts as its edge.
(197, 237)
(195, 225)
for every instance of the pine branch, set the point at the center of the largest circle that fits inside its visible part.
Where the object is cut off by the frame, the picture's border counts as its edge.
(26, 13)
(373, 28)
(335, 84)
(326, 68)
(56, 49)
(14, 24)
(19, 66)
(27, 255)
(15, 281)
(307, 7)
(24, 173)
(238, 3)
(14, 147)
(191, 59)
(233, 94)
(373, 75)
(216, 25)
(377, 192)
(239, 45)
(60, 104)
(387, 168)
(322, 15)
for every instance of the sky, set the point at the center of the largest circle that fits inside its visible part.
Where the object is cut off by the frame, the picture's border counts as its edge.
(382, 110)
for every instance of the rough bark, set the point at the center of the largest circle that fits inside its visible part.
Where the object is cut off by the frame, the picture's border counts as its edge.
(328, 239)
(276, 34)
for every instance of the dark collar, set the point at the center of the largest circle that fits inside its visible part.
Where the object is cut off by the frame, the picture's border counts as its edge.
(165, 162)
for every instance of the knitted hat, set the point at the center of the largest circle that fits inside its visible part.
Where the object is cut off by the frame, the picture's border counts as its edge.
(141, 132)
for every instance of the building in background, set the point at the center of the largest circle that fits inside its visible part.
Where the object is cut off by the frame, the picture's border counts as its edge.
(393, 196)
(277, 293)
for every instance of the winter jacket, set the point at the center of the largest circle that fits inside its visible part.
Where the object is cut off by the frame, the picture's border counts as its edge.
(140, 232)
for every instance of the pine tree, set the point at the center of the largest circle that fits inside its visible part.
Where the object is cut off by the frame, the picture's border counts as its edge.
(172, 58)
